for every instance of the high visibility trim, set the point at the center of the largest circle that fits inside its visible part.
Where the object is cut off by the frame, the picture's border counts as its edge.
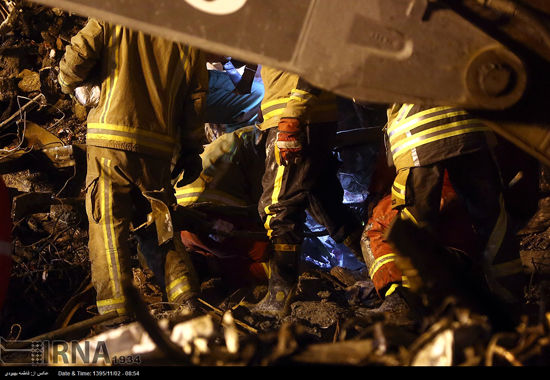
(397, 192)
(406, 214)
(507, 268)
(274, 102)
(300, 92)
(416, 122)
(405, 282)
(278, 184)
(274, 113)
(105, 128)
(418, 141)
(497, 234)
(391, 289)
(406, 120)
(285, 247)
(403, 112)
(107, 226)
(175, 293)
(190, 190)
(110, 301)
(177, 287)
(6, 248)
(379, 262)
(111, 304)
(192, 194)
(62, 80)
(266, 269)
(162, 147)
(399, 186)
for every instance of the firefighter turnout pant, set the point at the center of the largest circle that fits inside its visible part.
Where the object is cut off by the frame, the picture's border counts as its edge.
(115, 183)
(416, 193)
(310, 184)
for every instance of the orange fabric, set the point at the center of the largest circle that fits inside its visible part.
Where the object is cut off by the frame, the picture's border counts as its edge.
(5, 240)
(454, 228)
(240, 259)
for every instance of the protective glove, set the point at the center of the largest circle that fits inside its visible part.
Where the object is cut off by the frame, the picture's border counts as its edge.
(289, 140)
(190, 165)
(88, 95)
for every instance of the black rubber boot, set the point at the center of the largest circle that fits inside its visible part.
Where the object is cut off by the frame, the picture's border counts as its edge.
(283, 277)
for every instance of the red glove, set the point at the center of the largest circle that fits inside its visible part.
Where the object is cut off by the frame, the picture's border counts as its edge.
(289, 140)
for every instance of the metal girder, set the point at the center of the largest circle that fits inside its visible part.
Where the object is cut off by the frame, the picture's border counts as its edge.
(371, 50)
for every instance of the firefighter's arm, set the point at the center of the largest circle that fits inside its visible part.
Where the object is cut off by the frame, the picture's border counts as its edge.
(81, 56)
(192, 131)
(291, 125)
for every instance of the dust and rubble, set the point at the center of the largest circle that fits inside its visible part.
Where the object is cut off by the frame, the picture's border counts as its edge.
(336, 317)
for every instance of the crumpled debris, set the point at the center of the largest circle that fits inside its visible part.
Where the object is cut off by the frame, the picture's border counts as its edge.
(438, 352)
(193, 336)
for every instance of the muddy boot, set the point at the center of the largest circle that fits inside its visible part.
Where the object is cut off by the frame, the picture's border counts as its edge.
(283, 276)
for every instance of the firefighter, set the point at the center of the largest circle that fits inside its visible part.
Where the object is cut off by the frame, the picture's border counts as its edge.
(424, 142)
(299, 124)
(227, 190)
(5, 241)
(151, 103)
(454, 230)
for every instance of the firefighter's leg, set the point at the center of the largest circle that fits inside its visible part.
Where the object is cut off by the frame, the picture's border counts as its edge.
(422, 195)
(282, 208)
(109, 213)
(182, 284)
(475, 178)
(416, 194)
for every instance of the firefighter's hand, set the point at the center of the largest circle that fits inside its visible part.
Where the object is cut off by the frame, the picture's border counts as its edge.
(289, 141)
(190, 165)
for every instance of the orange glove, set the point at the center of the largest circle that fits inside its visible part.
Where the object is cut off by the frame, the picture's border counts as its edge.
(289, 140)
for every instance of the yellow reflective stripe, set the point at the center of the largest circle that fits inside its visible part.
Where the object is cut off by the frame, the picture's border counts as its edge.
(285, 247)
(129, 140)
(391, 289)
(110, 301)
(406, 214)
(405, 282)
(274, 102)
(302, 92)
(267, 270)
(398, 185)
(189, 190)
(403, 112)
(109, 230)
(274, 197)
(62, 81)
(400, 122)
(403, 148)
(274, 113)
(415, 123)
(185, 201)
(397, 194)
(176, 282)
(379, 262)
(106, 127)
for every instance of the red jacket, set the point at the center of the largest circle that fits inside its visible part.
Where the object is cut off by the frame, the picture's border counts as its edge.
(454, 228)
